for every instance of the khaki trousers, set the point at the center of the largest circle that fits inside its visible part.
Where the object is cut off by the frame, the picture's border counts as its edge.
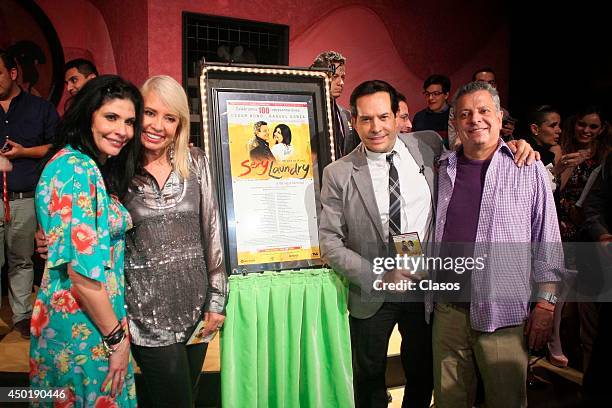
(459, 352)
(18, 237)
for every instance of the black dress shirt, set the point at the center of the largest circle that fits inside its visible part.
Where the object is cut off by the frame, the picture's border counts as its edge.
(30, 121)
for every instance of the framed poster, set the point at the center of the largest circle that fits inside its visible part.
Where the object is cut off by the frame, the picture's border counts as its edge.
(267, 132)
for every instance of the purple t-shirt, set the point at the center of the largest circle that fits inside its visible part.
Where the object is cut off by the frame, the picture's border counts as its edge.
(462, 222)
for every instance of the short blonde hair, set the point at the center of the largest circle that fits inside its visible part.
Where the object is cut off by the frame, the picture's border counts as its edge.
(173, 95)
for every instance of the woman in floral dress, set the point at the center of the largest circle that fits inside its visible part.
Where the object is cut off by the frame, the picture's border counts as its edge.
(81, 297)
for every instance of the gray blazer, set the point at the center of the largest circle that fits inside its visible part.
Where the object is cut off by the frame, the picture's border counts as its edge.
(350, 230)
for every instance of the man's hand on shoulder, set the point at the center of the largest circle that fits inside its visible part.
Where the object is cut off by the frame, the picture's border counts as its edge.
(523, 152)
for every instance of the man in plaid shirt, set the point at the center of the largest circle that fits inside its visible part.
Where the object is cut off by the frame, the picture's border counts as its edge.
(503, 215)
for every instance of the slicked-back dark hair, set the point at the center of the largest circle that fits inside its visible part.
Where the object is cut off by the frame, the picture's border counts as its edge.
(539, 114)
(327, 59)
(75, 129)
(437, 79)
(372, 87)
(85, 67)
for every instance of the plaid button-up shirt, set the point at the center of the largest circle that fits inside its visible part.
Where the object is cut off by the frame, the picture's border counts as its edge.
(517, 236)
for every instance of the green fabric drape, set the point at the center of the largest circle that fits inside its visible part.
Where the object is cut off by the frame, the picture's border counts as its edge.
(286, 342)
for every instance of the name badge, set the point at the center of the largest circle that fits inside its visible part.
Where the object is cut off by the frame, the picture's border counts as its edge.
(410, 250)
(408, 244)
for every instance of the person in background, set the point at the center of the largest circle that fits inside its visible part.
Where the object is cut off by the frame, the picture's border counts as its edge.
(28, 56)
(436, 90)
(345, 139)
(76, 74)
(27, 128)
(598, 228)
(543, 135)
(79, 326)
(585, 141)
(404, 125)
(544, 132)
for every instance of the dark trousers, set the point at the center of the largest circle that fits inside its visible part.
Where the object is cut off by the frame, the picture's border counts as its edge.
(370, 340)
(170, 373)
(596, 381)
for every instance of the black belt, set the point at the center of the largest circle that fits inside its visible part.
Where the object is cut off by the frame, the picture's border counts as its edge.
(18, 196)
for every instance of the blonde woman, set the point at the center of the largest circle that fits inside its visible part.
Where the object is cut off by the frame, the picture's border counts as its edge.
(174, 269)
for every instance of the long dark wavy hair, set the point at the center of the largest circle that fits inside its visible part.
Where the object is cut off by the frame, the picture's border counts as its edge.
(601, 145)
(75, 129)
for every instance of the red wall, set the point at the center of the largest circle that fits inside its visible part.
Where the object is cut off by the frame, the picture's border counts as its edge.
(128, 26)
(401, 42)
(82, 30)
(83, 33)
(108, 32)
(381, 40)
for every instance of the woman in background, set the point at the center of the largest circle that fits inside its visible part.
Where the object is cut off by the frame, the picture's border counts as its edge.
(79, 327)
(585, 142)
(282, 148)
(543, 135)
(545, 130)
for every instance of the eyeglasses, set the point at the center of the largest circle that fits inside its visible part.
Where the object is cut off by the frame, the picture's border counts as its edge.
(434, 93)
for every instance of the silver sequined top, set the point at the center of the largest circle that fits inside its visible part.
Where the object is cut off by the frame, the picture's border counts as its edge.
(174, 267)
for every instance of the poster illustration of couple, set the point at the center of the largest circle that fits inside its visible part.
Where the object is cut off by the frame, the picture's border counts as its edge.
(272, 181)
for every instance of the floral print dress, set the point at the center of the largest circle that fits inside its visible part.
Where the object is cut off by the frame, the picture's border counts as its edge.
(569, 217)
(85, 227)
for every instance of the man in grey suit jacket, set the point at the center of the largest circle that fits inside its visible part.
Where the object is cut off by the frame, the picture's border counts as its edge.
(354, 230)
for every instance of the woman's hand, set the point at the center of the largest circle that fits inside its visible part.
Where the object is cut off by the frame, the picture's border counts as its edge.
(571, 160)
(117, 367)
(215, 321)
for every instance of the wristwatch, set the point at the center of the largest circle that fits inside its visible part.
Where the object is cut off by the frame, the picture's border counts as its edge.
(547, 296)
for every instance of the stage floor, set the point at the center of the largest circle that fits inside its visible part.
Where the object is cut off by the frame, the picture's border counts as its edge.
(559, 385)
(14, 350)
